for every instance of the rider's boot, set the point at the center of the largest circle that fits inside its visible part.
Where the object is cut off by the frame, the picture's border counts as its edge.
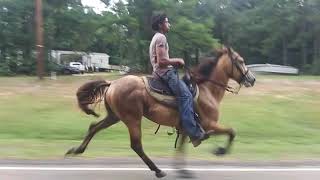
(204, 135)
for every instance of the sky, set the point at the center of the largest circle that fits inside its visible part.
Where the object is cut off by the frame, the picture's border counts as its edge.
(96, 4)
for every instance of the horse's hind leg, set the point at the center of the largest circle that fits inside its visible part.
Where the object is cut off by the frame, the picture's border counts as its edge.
(108, 121)
(136, 145)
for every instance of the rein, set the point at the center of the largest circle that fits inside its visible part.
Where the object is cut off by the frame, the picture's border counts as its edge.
(225, 87)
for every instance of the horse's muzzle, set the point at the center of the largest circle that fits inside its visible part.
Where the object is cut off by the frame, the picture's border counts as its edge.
(249, 79)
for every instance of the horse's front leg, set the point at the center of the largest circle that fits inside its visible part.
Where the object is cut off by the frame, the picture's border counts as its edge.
(219, 130)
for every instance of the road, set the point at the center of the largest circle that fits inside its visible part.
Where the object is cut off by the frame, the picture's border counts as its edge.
(131, 169)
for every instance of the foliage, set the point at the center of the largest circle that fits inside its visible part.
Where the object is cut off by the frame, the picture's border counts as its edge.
(263, 31)
(316, 67)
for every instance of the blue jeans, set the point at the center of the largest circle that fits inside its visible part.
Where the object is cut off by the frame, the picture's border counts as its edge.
(185, 102)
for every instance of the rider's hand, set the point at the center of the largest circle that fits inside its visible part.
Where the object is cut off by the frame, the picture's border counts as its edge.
(180, 62)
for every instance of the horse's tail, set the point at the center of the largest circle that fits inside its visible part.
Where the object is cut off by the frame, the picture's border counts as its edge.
(92, 93)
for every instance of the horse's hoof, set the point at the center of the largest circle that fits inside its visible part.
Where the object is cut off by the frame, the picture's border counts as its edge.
(70, 151)
(160, 174)
(73, 151)
(220, 151)
(185, 174)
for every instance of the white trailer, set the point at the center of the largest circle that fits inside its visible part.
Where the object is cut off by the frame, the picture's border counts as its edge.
(96, 61)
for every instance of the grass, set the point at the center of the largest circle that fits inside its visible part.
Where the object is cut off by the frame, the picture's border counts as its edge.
(279, 118)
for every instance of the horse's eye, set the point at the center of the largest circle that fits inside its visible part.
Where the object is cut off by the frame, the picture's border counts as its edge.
(240, 60)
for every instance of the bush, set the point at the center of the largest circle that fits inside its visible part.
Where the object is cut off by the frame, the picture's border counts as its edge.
(5, 70)
(315, 69)
(27, 68)
(306, 69)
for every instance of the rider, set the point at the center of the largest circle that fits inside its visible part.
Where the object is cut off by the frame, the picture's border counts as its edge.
(165, 68)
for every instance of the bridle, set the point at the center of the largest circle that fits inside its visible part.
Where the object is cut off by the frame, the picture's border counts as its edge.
(235, 63)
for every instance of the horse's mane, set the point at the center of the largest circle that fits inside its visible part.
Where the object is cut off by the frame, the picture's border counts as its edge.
(207, 65)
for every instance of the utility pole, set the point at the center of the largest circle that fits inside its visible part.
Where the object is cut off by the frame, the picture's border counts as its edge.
(39, 38)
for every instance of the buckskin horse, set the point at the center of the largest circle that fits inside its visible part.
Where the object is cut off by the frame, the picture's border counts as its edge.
(127, 99)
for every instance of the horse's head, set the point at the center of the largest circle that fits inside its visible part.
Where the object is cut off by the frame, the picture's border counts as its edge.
(234, 67)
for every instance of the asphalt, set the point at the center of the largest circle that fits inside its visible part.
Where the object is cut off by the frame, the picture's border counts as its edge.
(131, 169)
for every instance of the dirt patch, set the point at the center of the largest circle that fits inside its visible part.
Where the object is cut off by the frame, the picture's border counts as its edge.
(266, 86)
(5, 94)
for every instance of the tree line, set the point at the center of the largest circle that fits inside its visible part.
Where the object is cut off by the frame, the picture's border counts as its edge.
(283, 32)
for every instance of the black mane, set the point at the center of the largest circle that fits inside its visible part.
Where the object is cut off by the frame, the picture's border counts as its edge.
(206, 67)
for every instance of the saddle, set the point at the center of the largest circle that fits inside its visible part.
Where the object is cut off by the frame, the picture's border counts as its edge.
(159, 90)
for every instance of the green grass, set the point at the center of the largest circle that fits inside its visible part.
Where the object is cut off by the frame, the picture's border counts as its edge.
(276, 119)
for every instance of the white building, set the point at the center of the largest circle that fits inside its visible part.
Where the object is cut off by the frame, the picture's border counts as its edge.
(56, 55)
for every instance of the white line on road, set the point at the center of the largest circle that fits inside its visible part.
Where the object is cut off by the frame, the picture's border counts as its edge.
(234, 169)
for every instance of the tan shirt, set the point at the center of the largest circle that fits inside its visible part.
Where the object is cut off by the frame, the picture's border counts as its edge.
(158, 40)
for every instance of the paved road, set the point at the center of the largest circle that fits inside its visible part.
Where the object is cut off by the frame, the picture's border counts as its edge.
(132, 169)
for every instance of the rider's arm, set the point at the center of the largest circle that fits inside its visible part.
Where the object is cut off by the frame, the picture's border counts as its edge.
(163, 59)
(162, 55)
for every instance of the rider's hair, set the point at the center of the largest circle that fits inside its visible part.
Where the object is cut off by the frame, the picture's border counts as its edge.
(158, 19)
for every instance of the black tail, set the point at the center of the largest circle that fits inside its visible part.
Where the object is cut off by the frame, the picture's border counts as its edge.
(92, 93)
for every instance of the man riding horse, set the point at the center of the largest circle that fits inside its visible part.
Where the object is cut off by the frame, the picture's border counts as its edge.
(128, 99)
(165, 68)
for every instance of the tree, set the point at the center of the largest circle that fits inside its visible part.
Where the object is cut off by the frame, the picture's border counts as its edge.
(17, 38)
(263, 31)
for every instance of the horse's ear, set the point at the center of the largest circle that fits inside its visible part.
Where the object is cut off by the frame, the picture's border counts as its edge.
(223, 50)
(227, 47)
(217, 51)
(229, 50)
